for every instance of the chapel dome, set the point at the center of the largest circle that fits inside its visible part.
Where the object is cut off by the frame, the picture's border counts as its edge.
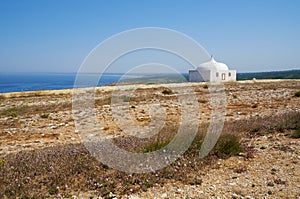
(212, 65)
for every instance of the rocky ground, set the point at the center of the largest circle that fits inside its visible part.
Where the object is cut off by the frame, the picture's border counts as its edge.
(36, 120)
(274, 172)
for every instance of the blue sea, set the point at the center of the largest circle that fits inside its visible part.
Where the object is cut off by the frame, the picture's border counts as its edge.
(16, 82)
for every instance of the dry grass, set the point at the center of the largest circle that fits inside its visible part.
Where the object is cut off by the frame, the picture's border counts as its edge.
(65, 169)
(24, 110)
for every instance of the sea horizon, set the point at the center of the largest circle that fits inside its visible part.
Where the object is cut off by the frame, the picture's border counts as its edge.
(34, 81)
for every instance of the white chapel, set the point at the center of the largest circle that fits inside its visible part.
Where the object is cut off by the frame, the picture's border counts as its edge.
(212, 71)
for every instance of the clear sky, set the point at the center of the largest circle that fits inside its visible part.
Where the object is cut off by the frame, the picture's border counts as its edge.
(56, 35)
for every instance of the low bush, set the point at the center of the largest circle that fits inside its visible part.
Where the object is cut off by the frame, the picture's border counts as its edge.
(227, 145)
(155, 146)
(10, 112)
(296, 134)
(297, 94)
(44, 115)
(53, 190)
(166, 92)
(126, 99)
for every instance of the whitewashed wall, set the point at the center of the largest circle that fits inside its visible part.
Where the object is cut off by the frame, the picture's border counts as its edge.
(210, 76)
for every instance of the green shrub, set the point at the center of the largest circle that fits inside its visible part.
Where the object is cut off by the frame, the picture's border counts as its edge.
(297, 94)
(205, 86)
(12, 112)
(155, 146)
(44, 115)
(234, 96)
(296, 134)
(126, 99)
(227, 145)
(166, 92)
(53, 191)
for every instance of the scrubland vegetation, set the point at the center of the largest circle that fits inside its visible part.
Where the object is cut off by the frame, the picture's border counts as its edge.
(61, 170)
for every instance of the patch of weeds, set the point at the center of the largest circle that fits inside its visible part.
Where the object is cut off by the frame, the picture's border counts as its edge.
(234, 96)
(196, 181)
(255, 129)
(292, 121)
(10, 112)
(155, 146)
(9, 192)
(2, 162)
(296, 134)
(227, 145)
(126, 99)
(166, 92)
(297, 94)
(148, 183)
(44, 115)
(53, 191)
(205, 86)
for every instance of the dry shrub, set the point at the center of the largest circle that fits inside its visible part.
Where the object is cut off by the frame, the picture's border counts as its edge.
(296, 134)
(227, 145)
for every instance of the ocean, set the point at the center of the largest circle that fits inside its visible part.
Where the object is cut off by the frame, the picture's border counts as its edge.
(18, 82)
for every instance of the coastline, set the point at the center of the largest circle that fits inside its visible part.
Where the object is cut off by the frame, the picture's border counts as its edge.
(112, 85)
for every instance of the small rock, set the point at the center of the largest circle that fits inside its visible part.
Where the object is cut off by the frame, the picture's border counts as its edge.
(231, 183)
(179, 190)
(111, 195)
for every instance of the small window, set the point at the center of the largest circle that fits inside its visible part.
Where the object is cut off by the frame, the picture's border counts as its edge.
(217, 74)
(223, 76)
(229, 74)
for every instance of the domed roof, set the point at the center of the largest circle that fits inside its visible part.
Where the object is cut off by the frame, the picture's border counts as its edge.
(212, 65)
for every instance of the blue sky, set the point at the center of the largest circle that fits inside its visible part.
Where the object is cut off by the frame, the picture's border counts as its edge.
(56, 35)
